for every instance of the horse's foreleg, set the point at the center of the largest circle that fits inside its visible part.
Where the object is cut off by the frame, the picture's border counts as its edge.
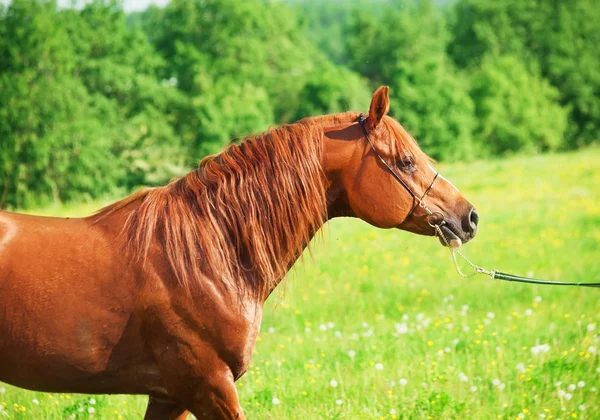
(164, 410)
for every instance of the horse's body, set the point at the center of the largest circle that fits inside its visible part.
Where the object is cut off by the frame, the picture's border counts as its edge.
(162, 293)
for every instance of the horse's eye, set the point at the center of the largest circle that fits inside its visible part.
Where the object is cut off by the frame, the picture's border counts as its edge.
(407, 163)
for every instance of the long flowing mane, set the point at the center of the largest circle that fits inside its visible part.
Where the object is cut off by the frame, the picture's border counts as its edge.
(244, 214)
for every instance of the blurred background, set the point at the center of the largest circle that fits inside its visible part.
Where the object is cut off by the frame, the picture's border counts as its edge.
(101, 97)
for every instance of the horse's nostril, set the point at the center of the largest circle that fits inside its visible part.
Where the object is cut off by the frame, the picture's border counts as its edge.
(473, 219)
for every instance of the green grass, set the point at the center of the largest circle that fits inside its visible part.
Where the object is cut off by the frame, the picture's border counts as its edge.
(382, 314)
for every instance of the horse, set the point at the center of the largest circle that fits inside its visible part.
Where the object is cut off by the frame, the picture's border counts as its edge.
(161, 294)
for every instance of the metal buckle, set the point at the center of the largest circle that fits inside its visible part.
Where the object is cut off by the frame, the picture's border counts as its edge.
(435, 215)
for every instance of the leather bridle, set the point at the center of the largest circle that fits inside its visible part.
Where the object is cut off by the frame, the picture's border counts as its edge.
(434, 218)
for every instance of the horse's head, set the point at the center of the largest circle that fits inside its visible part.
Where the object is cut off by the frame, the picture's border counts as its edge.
(379, 174)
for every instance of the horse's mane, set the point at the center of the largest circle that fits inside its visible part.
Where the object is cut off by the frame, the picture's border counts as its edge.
(245, 213)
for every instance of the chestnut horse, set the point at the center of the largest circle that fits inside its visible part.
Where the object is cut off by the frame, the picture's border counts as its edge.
(162, 293)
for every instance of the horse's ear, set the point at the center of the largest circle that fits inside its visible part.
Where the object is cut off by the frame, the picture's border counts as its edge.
(380, 105)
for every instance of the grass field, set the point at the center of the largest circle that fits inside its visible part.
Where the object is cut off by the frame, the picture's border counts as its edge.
(379, 326)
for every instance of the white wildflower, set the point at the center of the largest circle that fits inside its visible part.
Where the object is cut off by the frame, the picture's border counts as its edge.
(572, 387)
(582, 407)
(401, 328)
(402, 382)
(539, 349)
(591, 327)
(528, 312)
(91, 410)
(568, 396)
(490, 315)
(521, 368)
(462, 377)
(339, 402)
(351, 353)
(392, 412)
(36, 401)
(379, 366)
(271, 330)
(496, 382)
(275, 401)
(580, 384)
(537, 299)
(473, 388)
(333, 383)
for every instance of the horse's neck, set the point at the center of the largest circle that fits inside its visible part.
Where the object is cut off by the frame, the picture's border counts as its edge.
(337, 206)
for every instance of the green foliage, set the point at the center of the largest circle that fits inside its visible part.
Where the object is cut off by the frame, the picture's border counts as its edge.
(80, 105)
(561, 38)
(95, 100)
(229, 109)
(330, 88)
(516, 109)
(405, 49)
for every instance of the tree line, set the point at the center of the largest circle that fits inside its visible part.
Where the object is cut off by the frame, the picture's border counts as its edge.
(95, 101)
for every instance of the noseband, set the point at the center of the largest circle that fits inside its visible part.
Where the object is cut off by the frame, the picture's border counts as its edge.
(434, 218)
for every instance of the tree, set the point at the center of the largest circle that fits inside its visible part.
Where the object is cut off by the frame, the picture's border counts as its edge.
(559, 38)
(406, 49)
(80, 104)
(516, 108)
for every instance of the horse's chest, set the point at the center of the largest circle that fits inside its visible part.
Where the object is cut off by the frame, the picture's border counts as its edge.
(236, 341)
(210, 335)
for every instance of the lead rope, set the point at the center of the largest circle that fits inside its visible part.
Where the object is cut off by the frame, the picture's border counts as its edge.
(454, 251)
(497, 275)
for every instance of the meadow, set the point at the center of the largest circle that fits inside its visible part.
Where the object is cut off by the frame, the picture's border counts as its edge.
(377, 325)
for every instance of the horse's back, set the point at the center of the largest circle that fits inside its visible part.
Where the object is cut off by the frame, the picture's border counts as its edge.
(36, 248)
